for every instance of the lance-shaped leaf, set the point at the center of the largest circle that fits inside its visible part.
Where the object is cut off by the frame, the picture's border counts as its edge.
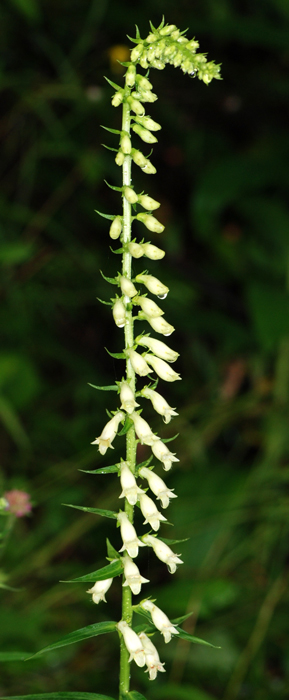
(107, 128)
(79, 635)
(180, 620)
(111, 387)
(195, 640)
(111, 552)
(109, 148)
(103, 470)
(95, 511)
(116, 355)
(169, 542)
(59, 696)
(113, 187)
(111, 280)
(105, 216)
(114, 85)
(109, 571)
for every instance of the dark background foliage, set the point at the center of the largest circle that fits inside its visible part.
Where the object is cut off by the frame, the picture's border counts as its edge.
(223, 177)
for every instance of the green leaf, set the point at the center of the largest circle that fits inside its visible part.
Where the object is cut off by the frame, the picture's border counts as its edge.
(116, 355)
(109, 148)
(111, 552)
(13, 656)
(106, 303)
(59, 696)
(115, 86)
(112, 387)
(195, 640)
(9, 588)
(179, 620)
(111, 280)
(103, 470)
(109, 571)
(96, 511)
(169, 542)
(112, 187)
(106, 216)
(171, 438)
(134, 695)
(79, 635)
(112, 131)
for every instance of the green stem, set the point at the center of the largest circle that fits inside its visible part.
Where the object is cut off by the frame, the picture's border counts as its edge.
(124, 678)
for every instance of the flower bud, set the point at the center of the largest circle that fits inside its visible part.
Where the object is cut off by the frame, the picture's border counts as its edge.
(158, 348)
(160, 325)
(153, 285)
(136, 106)
(151, 38)
(130, 76)
(161, 452)
(143, 430)
(159, 618)
(130, 489)
(149, 169)
(135, 249)
(177, 60)
(117, 98)
(161, 367)
(131, 543)
(164, 553)
(159, 403)
(148, 123)
(150, 512)
(143, 83)
(147, 96)
(138, 158)
(118, 312)
(143, 61)
(152, 251)
(119, 158)
(136, 52)
(133, 579)
(168, 29)
(138, 364)
(127, 287)
(125, 144)
(116, 228)
(151, 52)
(148, 202)
(150, 222)
(159, 65)
(193, 45)
(99, 590)
(157, 486)
(128, 402)
(151, 656)
(132, 643)
(175, 34)
(144, 134)
(109, 432)
(130, 195)
(149, 307)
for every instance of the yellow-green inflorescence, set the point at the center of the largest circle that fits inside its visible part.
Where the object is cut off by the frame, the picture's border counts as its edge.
(145, 355)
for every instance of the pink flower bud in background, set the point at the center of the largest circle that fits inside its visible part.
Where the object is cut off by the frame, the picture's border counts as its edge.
(157, 486)
(99, 590)
(18, 502)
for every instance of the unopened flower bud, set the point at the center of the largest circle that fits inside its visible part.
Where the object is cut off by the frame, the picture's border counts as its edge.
(160, 405)
(148, 202)
(154, 285)
(143, 430)
(150, 222)
(130, 489)
(149, 168)
(168, 29)
(158, 348)
(162, 368)
(144, 134)
(130, 195)
(152, 251)
(138, 363)
(125, 144)
(143, 60)
(151, 52)
(157, 486)
(138, 158)
(127, 287)
(109, 432)
(99, 590)
(147, 96)
(160, 325)
(150, 512)
(161, 452)
(175, 34)
(149, 307)
(136, 52)
(131, 543)
(151, 38)
(143, 83)
(116, 228)
(193, 45)
(136, 106)
(119, 158)
(118, 312)
(159, 618)
(132, 643)
(130, 76)
(117, 98)
(148, 123)
(128, 402)
(156, 63)
(133, 579)
(135, 249)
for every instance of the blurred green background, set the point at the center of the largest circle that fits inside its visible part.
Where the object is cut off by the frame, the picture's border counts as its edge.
(223, 178)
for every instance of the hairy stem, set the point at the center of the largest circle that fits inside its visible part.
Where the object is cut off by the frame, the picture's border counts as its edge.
(130, 377)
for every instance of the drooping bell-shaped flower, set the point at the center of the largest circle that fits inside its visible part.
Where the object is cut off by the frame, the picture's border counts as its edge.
(150, 511)
(161, 452)
(130, 489)
(116, 227)
(152, 658)
(160, 405)
(149, 307)
(130, 195)
(138, 363)
(135, 249)
(143, 430)
(160, 620)
(131, 543)
(157, 486)
(152, 251)
(128, 402)
(148, 202)
(99, 590)
(127, 287)
(160, 325)
(118, 312)
(132, 643)
(163, 552)
(150, 221)
(162, 368)
(133, 579)
(158, 348)
(154, 285)
(109, 432)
